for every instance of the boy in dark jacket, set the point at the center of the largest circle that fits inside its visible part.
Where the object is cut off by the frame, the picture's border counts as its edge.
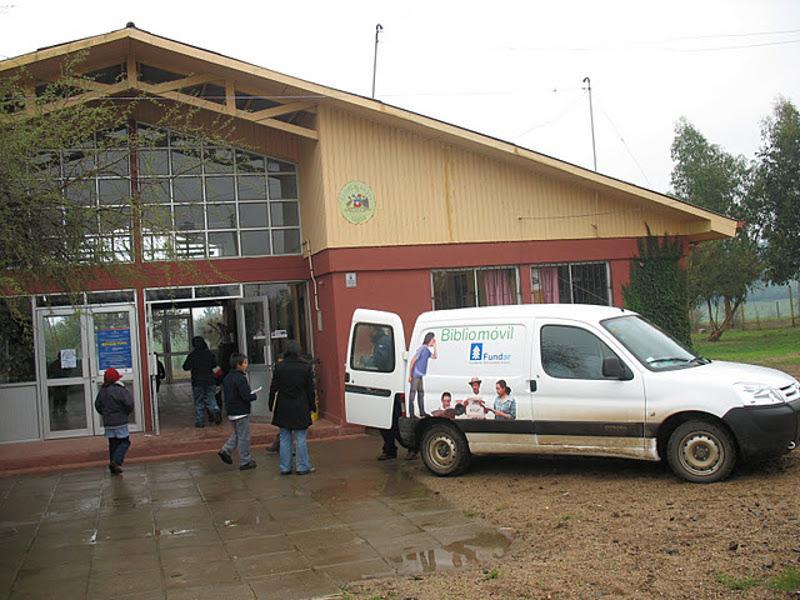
(202, 363)
(238, 398)
(291, 398)
(115, 403)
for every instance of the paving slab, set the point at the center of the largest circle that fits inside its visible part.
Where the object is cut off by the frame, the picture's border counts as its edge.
(196, 528)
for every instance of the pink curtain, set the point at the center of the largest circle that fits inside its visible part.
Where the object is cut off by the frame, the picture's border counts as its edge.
(548, 278)
(497, 288)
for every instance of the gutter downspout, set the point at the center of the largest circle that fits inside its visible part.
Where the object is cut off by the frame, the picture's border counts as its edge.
(307, 245)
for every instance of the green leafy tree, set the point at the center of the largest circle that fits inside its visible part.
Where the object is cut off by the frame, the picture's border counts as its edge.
(657, 288)
(721, 272)
(54, 144)
(774, 201)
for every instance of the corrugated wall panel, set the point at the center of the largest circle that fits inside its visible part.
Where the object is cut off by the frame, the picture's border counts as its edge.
(428, 192)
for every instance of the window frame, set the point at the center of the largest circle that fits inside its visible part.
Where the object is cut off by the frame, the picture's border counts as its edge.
(625, 368)
(570, 265)
(354, 337)
(518, 294)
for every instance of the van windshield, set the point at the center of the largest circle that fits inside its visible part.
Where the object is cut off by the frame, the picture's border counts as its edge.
(652, 347)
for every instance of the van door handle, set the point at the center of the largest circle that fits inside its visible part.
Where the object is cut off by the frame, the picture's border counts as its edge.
(346, 377)
(532, 384)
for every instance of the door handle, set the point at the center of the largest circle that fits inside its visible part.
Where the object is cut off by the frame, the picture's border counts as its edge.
(346, 377)
(532, 385)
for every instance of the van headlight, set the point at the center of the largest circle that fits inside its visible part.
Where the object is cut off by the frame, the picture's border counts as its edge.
(757, 394)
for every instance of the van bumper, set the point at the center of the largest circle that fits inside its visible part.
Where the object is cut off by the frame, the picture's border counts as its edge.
(407, 432)
(765, 431)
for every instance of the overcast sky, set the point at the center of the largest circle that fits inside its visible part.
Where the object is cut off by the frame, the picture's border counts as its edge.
(509, 69)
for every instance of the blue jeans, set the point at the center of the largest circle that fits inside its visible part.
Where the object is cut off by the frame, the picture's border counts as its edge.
(204, 396)
(301, 453)
(239, 438)
(117, 448)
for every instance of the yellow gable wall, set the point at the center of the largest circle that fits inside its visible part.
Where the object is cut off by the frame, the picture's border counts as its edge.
(430, 192)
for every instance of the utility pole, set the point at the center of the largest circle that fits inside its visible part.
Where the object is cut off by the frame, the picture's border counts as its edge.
(378, 29)
(588, 88)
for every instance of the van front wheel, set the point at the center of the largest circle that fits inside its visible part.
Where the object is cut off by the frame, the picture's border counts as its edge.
(701, 452)
(444, 450)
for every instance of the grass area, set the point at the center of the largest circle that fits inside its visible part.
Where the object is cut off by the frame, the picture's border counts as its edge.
(788, 580)
(778, 348)
(737, 583)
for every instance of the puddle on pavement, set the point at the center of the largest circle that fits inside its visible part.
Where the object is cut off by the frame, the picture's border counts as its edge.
(395, 485)
(471, 550)
(175, 532)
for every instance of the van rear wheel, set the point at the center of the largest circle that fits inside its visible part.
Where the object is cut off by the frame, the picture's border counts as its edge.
(445, 450)
(701, 452)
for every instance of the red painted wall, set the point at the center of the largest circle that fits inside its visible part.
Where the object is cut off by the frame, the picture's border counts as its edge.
(398, 279)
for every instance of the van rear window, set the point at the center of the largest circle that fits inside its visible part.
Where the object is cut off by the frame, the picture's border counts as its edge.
(372, 348)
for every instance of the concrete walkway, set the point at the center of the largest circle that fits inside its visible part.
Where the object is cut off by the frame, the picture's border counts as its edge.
(197, 528)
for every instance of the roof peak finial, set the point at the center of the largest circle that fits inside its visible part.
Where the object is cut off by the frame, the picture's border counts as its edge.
(130, 25)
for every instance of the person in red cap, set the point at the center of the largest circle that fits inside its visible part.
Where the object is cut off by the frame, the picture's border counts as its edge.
(115, 403)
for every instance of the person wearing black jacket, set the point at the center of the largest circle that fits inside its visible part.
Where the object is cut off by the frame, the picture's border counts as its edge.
(291, 400)
(202, 363)
(115, 403)
(238, 400)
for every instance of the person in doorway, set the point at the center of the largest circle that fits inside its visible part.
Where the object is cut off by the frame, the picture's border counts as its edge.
(291, 400)
(202, 363)
(161, 373)
(238, 400)
(418, 369)
(505, 407)
(115, 403)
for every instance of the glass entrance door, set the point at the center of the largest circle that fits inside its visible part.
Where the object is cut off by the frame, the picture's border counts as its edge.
(254, 336)
(78, 345)
(113, 344)
(172, 341)
(65, 385)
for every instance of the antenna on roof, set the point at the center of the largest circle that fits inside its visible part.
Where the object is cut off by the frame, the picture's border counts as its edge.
(378, 29)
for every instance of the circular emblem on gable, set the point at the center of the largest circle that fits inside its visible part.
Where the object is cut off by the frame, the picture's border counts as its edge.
(357, 202)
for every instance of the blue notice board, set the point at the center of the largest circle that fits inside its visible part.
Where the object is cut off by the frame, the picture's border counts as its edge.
(114, 349)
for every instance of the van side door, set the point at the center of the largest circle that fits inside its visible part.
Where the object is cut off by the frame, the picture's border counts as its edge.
(575, 405)
(373, 373)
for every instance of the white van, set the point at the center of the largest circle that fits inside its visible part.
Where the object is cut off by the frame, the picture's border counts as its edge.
(562, 379)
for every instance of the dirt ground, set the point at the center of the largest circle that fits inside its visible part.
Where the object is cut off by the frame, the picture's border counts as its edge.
(606, 528)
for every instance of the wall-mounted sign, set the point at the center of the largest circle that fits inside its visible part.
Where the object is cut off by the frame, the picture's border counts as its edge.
(279, 334)
(114, 349)
(350, 280)
(357, 202)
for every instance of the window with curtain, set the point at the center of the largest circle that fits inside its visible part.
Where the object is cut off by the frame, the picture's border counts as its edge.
(463, 288)
(575, 283)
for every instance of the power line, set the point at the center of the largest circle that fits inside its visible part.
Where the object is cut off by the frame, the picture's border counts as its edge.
(625, 144)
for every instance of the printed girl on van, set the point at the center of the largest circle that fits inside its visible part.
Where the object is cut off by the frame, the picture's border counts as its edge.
(418, 369)
(447, 409)
(505, 407)
(115, 403)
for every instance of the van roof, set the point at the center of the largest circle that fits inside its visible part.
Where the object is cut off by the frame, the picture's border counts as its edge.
(582, 312)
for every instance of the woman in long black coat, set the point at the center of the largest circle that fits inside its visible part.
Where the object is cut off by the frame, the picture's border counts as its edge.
(291, 400)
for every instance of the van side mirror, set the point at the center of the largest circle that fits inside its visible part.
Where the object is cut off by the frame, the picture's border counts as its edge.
(614, 369)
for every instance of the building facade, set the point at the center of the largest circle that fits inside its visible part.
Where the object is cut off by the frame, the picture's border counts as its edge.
(313, 203)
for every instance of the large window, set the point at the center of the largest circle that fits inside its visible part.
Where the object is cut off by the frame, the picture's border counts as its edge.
(577, 283)
(203, 201)
(464, 288)
(95, 174)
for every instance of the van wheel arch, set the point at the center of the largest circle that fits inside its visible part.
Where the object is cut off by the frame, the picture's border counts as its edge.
(443, 446)
(672, 422)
